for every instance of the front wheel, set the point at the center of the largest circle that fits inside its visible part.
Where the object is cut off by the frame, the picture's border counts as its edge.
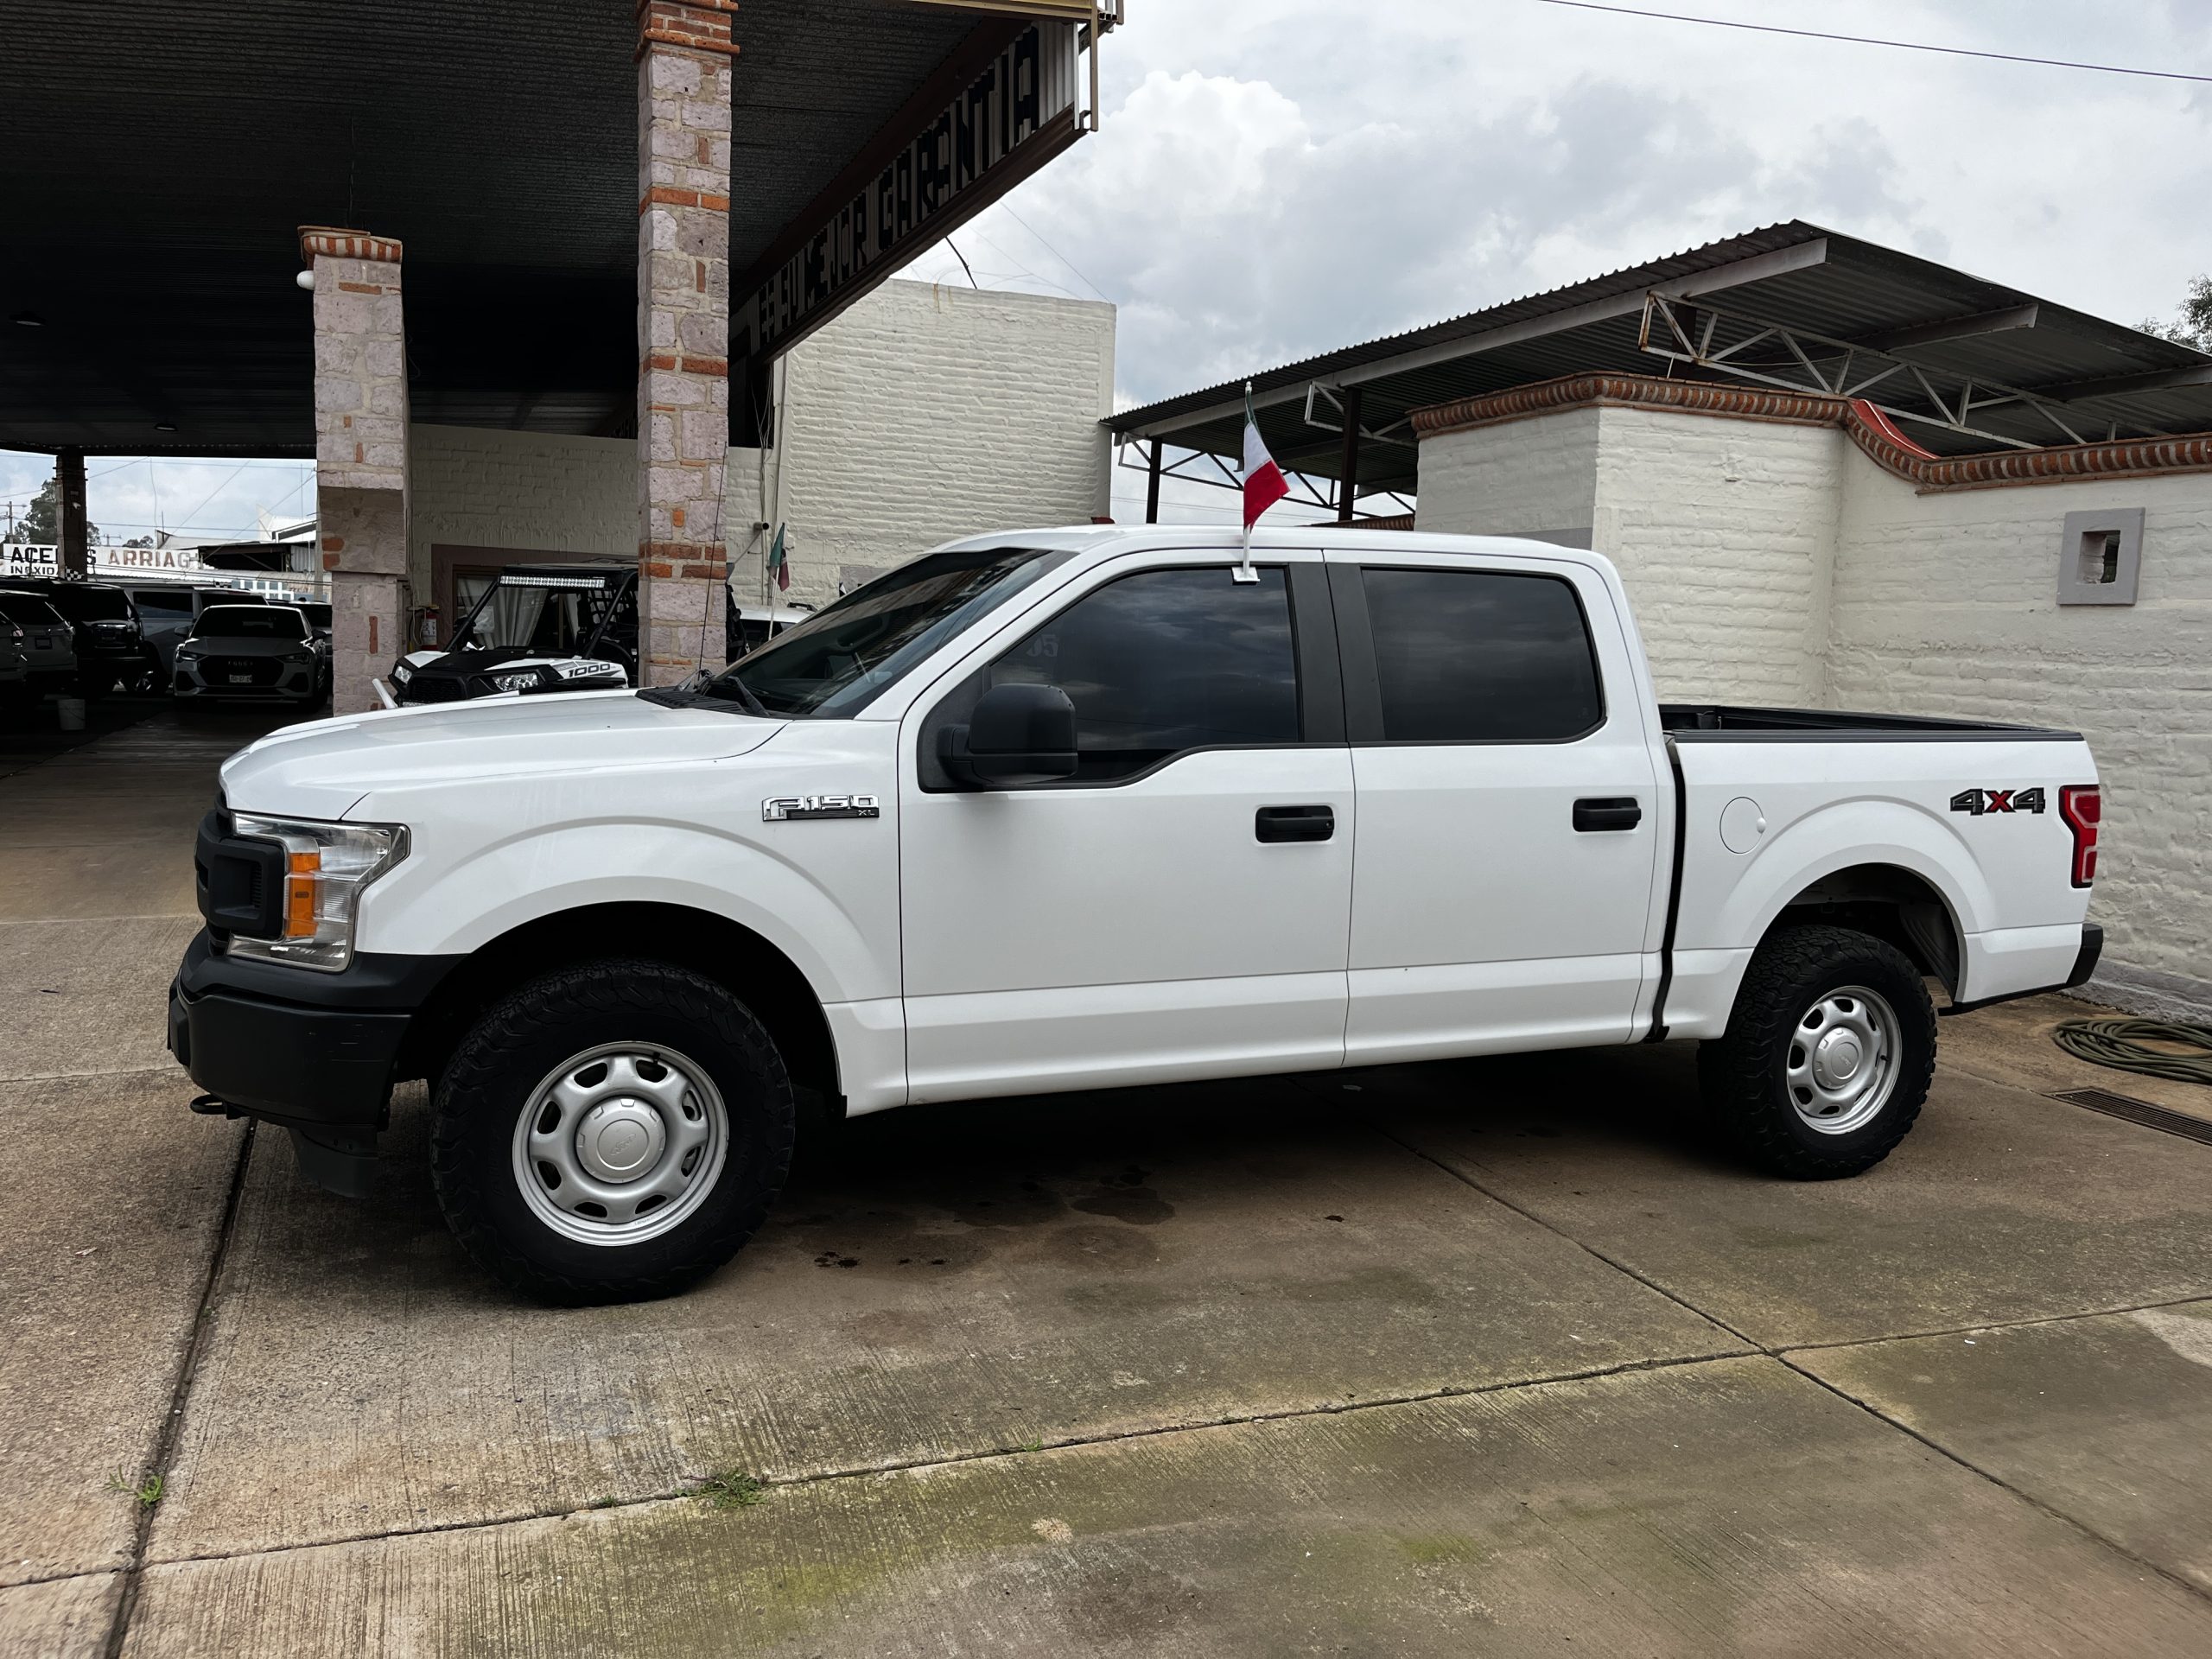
(611, 1132)
(1828, 1054)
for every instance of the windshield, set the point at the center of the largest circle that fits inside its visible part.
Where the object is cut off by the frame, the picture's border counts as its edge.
(545, 615)
(89, 603)
(838, 659)
(28, 609)
(250, 622)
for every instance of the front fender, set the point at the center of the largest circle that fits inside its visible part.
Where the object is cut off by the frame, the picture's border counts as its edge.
(837, 918)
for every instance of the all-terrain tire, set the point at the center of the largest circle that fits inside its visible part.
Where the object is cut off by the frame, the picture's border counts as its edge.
(497, 1068)
(1746, 1073)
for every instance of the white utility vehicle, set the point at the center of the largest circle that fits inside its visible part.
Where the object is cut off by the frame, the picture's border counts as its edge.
(1068, 809)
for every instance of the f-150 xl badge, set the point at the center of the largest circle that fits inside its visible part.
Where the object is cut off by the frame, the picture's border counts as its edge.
(820, 806)
(1978, 800)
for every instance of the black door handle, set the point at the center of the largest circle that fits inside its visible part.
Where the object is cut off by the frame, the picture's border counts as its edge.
(1608, 812)
(1295, 823)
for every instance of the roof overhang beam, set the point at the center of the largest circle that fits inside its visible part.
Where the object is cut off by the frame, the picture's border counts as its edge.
(2067, 392)
(1966, 327)
(1758, 268)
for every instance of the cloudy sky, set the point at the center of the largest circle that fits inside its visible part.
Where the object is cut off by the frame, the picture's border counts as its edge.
(1276, 177)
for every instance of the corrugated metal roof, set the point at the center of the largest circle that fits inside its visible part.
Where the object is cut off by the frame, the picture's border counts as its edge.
(1837, 286)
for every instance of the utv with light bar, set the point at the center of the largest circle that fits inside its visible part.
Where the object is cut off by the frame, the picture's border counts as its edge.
(537, 628)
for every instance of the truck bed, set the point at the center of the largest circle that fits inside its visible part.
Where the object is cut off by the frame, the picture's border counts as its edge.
(1709, 722)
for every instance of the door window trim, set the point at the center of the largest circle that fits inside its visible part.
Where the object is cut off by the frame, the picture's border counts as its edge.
(1362, 678)
(1314, 660)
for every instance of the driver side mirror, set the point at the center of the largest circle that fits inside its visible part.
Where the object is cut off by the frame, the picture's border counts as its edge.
(1018, 735)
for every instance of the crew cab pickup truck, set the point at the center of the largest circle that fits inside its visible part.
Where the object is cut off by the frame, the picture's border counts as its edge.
(1068, 808)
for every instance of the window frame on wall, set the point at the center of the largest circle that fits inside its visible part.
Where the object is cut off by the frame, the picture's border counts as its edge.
(1317, 682)
(1365, 697)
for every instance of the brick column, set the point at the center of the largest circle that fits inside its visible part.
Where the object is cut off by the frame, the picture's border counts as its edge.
(685, 53)
(360, 451)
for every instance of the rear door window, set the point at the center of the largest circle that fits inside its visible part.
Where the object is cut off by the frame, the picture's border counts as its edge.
(1481, 657)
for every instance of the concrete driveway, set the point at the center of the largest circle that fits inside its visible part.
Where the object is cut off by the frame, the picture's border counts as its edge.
(1498, 1356)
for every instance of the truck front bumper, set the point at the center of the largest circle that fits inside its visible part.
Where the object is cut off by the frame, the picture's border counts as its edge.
(297, 1047)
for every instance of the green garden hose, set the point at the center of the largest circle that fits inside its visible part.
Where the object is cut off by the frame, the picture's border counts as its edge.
(2124, 1043)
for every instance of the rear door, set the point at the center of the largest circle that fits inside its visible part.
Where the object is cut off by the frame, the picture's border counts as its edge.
(1180, 907)
(1509, 811)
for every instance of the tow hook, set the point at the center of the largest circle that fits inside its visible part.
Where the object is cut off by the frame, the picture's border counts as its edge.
(215, 1106)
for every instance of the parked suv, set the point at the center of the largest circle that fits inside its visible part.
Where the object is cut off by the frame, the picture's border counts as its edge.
(110, 644)
(167, 610)
(266, 653)
(47, 642)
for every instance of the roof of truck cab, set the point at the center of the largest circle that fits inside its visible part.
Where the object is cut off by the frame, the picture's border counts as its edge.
(1138, 538)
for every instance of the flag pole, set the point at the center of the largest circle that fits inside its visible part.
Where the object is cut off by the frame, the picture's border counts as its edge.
(1244, 572)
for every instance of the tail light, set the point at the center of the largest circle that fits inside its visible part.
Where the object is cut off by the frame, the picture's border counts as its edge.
(2082, 806)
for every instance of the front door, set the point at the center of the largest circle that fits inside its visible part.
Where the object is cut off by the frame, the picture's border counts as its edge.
(1509, 811)
(1173, 910)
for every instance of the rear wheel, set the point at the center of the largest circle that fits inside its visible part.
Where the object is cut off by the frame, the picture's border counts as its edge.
(611, 1132)
(1828, 1055)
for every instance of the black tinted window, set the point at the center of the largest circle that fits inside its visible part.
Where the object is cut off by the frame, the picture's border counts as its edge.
(1477, 655)
(250, 622)
(30, 610)
(1168, 660)
(153, 603)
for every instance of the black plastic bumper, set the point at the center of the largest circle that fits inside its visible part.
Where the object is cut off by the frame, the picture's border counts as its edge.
(294, 1045)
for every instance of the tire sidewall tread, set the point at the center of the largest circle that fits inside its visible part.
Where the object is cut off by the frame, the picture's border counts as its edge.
(534, 1029)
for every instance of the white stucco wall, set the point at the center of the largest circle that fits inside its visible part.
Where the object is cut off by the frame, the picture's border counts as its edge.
(1724, 530)
(472, 486)
(924, 413)
(921, 414)
(1537, 477)
(1947, 604)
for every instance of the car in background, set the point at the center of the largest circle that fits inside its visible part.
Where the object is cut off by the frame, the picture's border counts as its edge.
(165, 613)
(253, 651)
(571, 627)
(317, 612)
(110, 646)
(43, 638)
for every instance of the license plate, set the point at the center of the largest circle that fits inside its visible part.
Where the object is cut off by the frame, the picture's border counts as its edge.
(239, 679)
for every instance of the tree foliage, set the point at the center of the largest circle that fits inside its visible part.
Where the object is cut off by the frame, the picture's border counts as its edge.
(2193, 323)
(41, 525)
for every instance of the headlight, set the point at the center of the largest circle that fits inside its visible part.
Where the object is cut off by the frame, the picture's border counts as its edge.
(188, 652)
(401, 673)
(522, 682)
(327, 866)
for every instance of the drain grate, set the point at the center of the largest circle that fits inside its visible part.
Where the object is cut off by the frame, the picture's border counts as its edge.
(2139, 1111)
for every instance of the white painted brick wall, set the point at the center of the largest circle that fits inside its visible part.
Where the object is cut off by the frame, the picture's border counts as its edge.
(1725, 535)
(1947, 604)
(922, 414)
(925, 413)
(1724, 531)
(472, 486)
(1537, 477)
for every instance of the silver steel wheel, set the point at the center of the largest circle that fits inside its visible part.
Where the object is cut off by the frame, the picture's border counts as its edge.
(1841, 1066)
(620, 1143)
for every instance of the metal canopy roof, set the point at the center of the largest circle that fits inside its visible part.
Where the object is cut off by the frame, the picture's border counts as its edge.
(1792, 304)
(159, 157)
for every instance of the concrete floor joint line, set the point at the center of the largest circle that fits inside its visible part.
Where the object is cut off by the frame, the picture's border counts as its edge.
(922, 1464)
(172, 1429)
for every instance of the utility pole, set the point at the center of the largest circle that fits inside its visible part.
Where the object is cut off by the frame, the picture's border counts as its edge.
(74, 558)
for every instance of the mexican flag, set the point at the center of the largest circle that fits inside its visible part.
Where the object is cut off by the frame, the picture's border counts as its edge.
(779, 562)
(1264, 483)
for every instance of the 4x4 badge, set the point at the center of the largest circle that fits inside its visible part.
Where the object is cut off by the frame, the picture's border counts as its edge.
(1978, 800)
(784, 807)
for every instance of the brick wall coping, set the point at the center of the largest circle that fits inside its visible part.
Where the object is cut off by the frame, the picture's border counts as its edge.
(334, 243)
(1872, 431)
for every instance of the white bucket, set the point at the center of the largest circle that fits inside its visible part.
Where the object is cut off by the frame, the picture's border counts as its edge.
(72, 712)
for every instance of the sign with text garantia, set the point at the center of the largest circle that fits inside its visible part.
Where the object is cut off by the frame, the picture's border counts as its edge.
(1012, 117)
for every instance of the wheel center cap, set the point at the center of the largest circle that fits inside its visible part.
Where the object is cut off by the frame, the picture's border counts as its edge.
(1835, 1058)
(620, 1139)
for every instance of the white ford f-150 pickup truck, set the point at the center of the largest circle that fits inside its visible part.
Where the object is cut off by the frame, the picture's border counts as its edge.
(1067, 809)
